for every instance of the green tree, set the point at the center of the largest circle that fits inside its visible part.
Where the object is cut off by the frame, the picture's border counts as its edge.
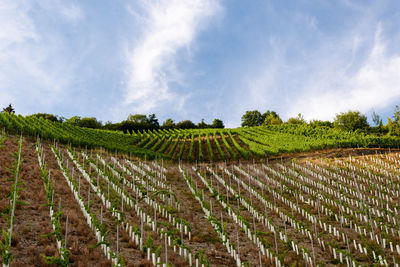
(143, 122)
(90, 122)
(319, 123)
(297, 120)
(252, 118)
(168, 124)
(202, 125)
(186, 124)
(351, 121)
(394, 124)
(137, 118)
(9, 109)
(74, 120)
(271, 118)
(46, 116)
(217, 123)
(153, 121)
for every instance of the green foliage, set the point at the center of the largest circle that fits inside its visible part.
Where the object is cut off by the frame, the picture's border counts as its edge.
(190, 155)
(319, 123)
(9, 109)
(201, 157)
(271, 118)
(220, 151)
(59, 261)
(182, 148)
(84, 122)
(394, 124)
(202, 258)
(149, 244)
(69, 134)
(149, 122)
(186, 124)
(168, 124)
(252, 118)
(137, 118)
(351, 121)
(217, 124)
(228, 147)
(202, 125)
(210, 151)
(297, 120)
(5, 246)
(47, 116)
(243, 152)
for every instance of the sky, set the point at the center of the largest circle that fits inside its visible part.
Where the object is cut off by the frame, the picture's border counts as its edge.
(200, 59)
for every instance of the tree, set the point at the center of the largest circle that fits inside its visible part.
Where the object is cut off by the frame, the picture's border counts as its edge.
(168, 124)
(318, 123)
(90, 122)
(217, 123)
(297, 120)
(9, 109)
(186, 124)
(143, 122)
(137, 118)
(74, 120)
(46, 116)
(252, 118)
(271, 118)
(202, 125)
(394, 124)
(376, 119)
(153, 121)
(351, 121)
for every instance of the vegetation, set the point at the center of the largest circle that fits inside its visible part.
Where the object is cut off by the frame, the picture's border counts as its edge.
(312, 211)
(351, 121)
(9, 109)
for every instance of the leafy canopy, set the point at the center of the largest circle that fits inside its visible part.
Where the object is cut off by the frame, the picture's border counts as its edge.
(351, 121)
(9, 109)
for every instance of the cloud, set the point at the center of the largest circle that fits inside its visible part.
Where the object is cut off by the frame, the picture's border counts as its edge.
(68, 10)
(16, 25)
(34, 72)
(167, 27)
(373, 85)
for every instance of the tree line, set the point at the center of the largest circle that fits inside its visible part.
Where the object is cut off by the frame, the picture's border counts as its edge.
(348, 121)
(133, 123)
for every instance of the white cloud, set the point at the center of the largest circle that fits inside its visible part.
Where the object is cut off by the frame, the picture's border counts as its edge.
(167, 27)
(15, 24)
(375, 84)
(34, 75)
(68, 10)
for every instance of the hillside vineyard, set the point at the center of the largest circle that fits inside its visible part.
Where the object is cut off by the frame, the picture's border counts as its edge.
(83, 206)
(199, 145)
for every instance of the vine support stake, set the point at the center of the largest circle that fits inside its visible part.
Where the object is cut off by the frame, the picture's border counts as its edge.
(66, 233)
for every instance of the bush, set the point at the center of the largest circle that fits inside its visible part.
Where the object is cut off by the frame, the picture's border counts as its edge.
(351, 121)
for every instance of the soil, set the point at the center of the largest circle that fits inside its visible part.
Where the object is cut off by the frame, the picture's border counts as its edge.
(32, 219)
(32, 216)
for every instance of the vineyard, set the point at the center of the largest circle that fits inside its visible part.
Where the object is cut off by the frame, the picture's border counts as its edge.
(89, 206)
(198, 145)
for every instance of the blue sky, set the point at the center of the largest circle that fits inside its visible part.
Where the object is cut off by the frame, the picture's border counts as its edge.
(200, 58)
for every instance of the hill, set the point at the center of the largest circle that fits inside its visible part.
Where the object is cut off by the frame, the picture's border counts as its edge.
(202, 145)
(72, 206)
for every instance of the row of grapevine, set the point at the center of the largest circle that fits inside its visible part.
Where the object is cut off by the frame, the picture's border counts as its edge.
(54, 215)
(5, 244)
